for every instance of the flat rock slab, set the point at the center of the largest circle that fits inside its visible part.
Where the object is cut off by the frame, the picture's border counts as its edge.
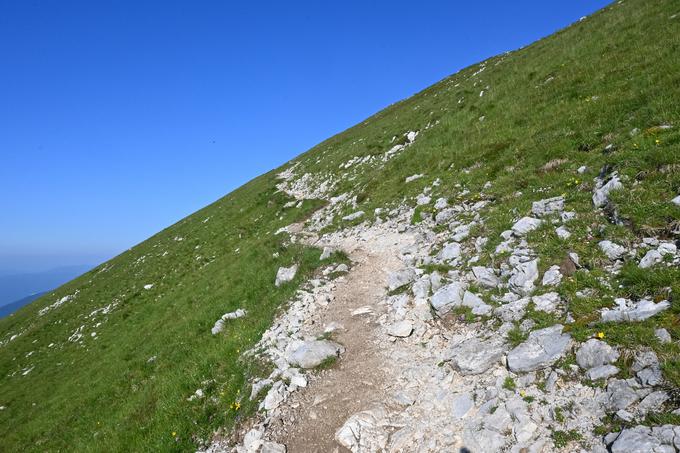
(312, 353)
(475, 356)
(364, 431)
(543, 348)
(400, 329)
(627, 310)
(400, 278)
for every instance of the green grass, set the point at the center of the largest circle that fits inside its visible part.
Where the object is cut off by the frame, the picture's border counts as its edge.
(104, 394)
(613, 72)
(562, 438)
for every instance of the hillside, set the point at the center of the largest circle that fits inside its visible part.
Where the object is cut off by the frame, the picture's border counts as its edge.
(500, 271)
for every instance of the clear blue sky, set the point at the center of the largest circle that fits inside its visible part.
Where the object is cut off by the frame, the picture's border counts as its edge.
(118, 118)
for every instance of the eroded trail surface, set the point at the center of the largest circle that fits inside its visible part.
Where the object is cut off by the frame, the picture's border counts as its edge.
(358, 378)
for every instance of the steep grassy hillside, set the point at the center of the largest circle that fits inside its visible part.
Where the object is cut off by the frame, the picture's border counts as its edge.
(600, 92)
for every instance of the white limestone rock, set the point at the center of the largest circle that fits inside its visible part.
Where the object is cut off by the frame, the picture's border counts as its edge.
(448, 297)
(627, 310)
(612, 250)
(312, 353)
(543, 348)
(594, 353)
(523, 277)
(552, 276)
(486, 277)
(285, 274)
(548, 206)
(602, 190)
(525, 225)
(562, 233)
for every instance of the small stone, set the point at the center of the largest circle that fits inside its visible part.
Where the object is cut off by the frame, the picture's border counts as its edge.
(667, 248)
(582, 169)
(448, 297)
(627, 310)
(476, 304)
(621, 394)
(461, 405)
(651, 258)
(548, 302)
(523, 277)
(475, 356)
(513, 311)
(612, 250)
(552, 276)
(602, 372)
(396, 280)
(653, 401)
(676, 200)
(543, 348)
(525, 225)
(364, 431)
(639, 439)
(548, 206)
(285, 274)
(441, 203)
(353, 216)
(594, 353)
(562, 233)
(485, 277)
(663, 336)
(400, 329)
(423, 200)
(312, 353)
(327, 251)
(450, 252)
(600, 197)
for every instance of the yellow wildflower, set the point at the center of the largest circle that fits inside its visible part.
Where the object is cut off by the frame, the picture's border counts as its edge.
(658, 142)
(174, 434)
(600, 335)
(522, 393)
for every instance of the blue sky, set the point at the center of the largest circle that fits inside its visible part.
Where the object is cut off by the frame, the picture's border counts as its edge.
(119, 118)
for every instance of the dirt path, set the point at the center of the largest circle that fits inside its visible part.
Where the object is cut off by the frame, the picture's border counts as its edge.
(359, 378)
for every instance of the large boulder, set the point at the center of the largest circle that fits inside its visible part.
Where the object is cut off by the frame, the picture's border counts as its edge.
(313, 353)
(543, 348)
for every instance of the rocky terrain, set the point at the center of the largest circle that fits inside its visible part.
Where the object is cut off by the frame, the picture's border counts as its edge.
(489, 265)
(429, 361)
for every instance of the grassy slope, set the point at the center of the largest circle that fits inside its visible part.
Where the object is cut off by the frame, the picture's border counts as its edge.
(565, 97)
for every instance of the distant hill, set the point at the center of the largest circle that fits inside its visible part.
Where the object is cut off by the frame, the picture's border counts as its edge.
(7, 309)
(16, 286)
